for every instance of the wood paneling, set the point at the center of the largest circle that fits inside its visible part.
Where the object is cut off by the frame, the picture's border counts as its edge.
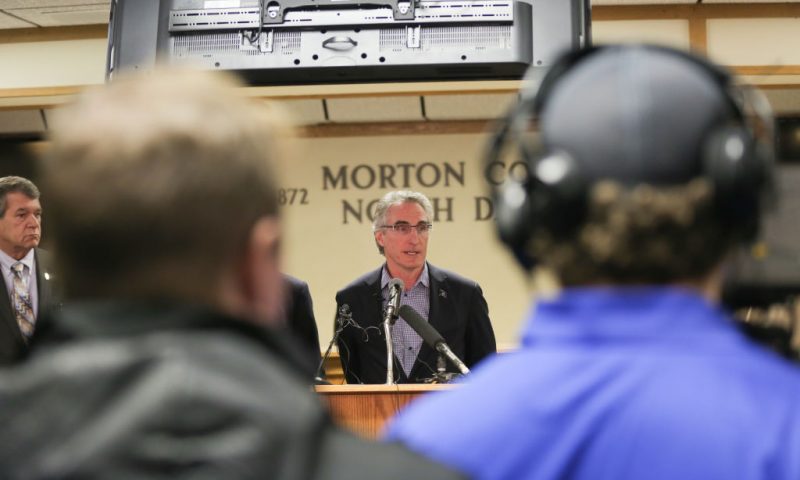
(53, 34)
(698, 34)
(395, 128)
(641, 12)
(365, 409)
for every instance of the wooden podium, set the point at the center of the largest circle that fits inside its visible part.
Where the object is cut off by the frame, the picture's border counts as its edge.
(365, 409)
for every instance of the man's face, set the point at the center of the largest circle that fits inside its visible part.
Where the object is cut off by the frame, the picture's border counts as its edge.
(404, 251)
(21, 226)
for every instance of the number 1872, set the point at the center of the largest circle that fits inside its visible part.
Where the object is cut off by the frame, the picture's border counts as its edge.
(293, 196)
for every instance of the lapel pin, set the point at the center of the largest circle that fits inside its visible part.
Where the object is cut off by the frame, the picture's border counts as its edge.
(442, 294)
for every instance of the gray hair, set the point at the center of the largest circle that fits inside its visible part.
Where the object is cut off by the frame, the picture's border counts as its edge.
(398, 197)
(13, 184)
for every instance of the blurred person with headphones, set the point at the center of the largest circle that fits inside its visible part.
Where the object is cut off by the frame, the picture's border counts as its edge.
(648, 168)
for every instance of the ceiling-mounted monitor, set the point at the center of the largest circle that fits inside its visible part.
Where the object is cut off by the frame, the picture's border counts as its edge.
(272, 42)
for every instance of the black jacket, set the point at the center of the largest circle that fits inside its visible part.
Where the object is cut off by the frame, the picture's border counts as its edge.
(116, 390)
(299, 316)
(12, 344)
(457, 310)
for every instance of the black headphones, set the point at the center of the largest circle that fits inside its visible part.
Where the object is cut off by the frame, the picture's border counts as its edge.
(735, 155)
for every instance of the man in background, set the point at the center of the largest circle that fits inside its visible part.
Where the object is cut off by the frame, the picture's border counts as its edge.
(167, 364)
(452, 304)
(299, 318)
(27, 270)
(650, 169)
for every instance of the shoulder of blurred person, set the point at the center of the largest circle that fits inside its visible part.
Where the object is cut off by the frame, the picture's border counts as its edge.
(121, 389)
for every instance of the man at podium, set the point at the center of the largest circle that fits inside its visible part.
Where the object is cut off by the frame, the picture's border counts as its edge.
(452, 304)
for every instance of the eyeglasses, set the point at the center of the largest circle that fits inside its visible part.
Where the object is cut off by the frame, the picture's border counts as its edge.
(403, 228)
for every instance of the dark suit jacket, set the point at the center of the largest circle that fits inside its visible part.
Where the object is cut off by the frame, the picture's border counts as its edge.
(300, 317)
(12, 344)
(457, 310)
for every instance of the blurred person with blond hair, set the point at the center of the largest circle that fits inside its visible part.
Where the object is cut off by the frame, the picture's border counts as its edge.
(166, 364)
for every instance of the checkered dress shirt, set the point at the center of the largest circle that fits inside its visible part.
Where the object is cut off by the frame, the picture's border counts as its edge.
(405, 341)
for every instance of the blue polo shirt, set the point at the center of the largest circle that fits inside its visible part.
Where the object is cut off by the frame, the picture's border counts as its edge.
(628, 383)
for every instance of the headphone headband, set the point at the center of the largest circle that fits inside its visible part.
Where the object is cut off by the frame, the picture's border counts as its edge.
(661, 116)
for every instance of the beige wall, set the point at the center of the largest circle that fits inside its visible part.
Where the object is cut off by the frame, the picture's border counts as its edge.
(329, 253)
(759, 41)
(52, 64)
(329, 248)
(673, 33)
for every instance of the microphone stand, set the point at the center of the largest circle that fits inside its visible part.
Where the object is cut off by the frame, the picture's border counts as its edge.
(341, 322)
(395, 290)
(387, 330)
(318, 380)
(442, 375)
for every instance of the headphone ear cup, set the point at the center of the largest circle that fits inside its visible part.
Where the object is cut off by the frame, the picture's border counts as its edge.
(739, 174)
(552, 196)
(512, 214)
(522, 205)
(559, 194)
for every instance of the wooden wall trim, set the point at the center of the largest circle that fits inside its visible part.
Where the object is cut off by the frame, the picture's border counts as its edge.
(766, 69)
(53, 34)
(395, 128)
(698, 34)
(318, 92)
(315, 92)
(39, 91)
(372, 90)
(706, 11)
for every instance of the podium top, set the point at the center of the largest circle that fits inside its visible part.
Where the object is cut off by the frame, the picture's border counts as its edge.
(409, 388)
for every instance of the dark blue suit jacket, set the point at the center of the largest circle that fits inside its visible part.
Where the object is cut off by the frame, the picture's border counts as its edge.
(457, 310)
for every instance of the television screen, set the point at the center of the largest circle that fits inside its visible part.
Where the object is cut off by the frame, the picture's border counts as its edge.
(324, 41)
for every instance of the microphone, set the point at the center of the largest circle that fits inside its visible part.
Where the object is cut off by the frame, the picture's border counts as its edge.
(389, 317)
(431, 336)
(395, 291)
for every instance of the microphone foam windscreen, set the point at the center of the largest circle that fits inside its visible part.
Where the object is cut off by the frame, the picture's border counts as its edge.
(421, 326)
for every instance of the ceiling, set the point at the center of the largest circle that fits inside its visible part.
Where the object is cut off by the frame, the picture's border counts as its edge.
(61, 13)
(52, 13)
(32, 14)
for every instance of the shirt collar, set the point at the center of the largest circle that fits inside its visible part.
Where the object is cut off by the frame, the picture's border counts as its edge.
(424, 278)
(624, 312)
(7, 261)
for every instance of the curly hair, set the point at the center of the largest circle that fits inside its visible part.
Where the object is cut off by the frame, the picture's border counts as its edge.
(639, 235)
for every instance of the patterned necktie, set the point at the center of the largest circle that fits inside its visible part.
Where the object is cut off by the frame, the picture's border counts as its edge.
(22, 301)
